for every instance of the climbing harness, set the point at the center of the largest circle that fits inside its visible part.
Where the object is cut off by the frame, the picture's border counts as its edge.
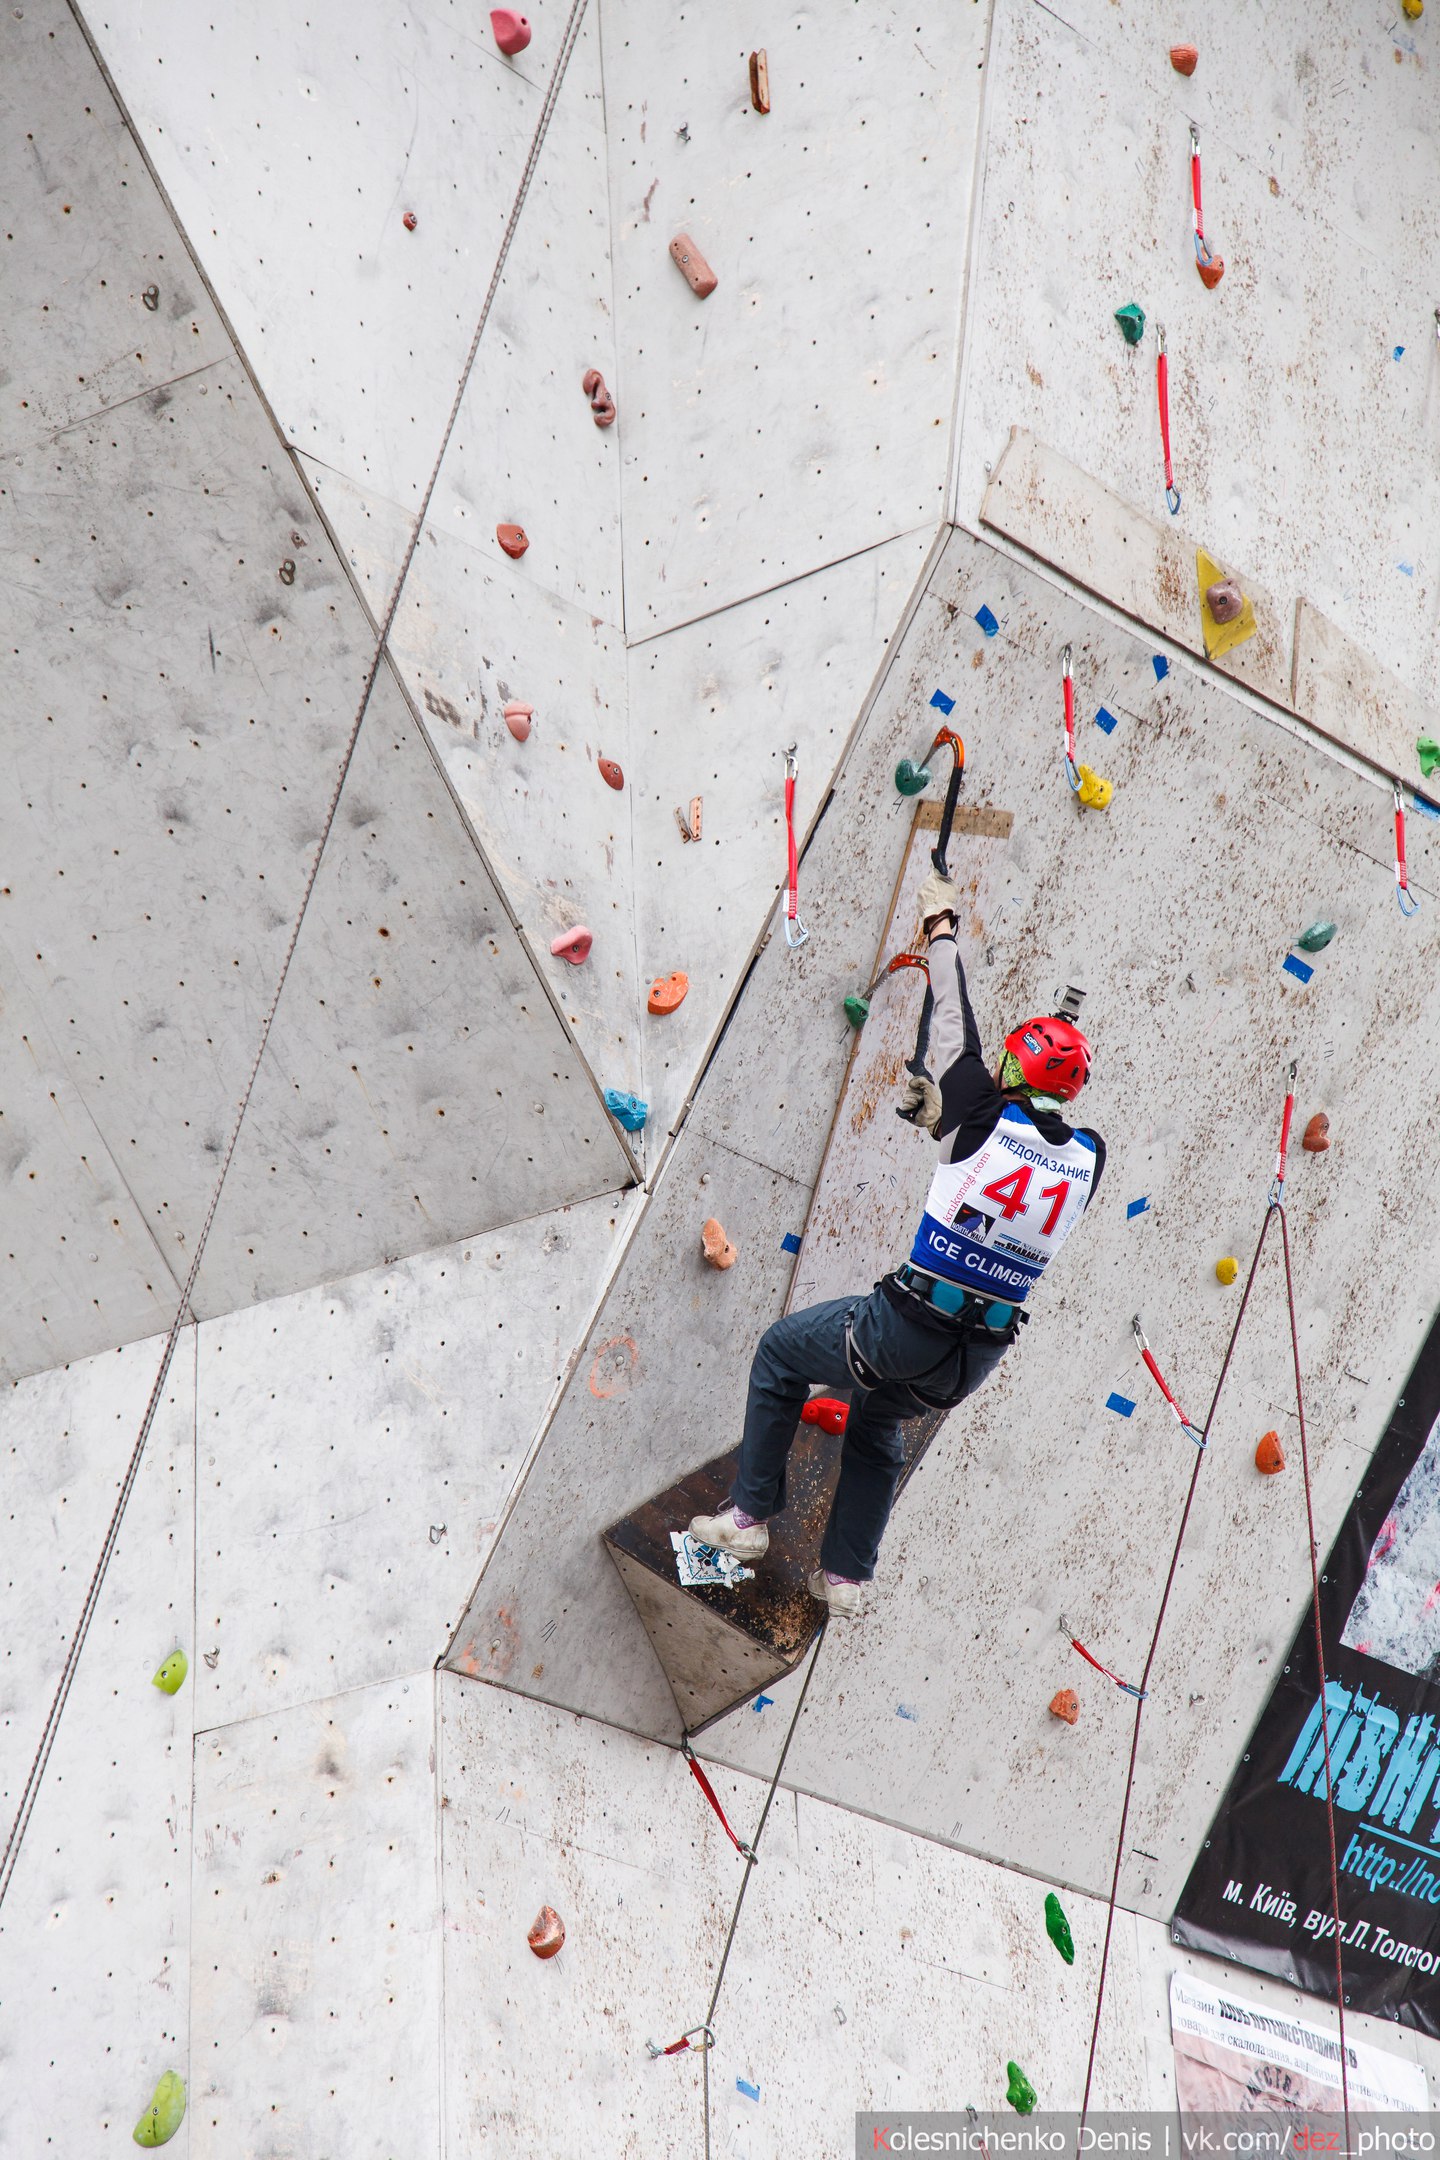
(1205, 257)
(25, 1809)
(1075, 1644)
(1067, 682)
(1162, 392)
(915, 1064)
(746, 1852)
(1274, 1210)
(795, 930)
(1191, 1432)
(1409, 905)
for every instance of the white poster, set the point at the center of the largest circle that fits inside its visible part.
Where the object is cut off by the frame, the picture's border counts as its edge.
(1231, 2054)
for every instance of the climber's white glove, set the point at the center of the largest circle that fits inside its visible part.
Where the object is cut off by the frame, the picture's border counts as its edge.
(920, 1103)
(938, 897)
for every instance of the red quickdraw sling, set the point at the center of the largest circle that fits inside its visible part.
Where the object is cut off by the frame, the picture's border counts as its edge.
(1162, 392)
(1409, 905)
(1129, 1688)
(1190, 1430)
(746, 1852)
(795, 931)
(1067, 683)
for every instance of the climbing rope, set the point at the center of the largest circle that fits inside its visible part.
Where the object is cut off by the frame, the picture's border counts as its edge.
(795, 931)
(1162, 392)
(1275, 1207)
(127, 1485)
(1409, 905)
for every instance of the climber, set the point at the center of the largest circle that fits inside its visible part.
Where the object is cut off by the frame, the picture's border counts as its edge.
(1012, 1182)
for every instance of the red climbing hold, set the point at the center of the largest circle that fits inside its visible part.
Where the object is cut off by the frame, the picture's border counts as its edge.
(602, 405)
(1184, 58)
(692, 266)
(410, 221)
(1211, 272)
(668, 992)
(1316, 1137)
(1065, 1706)
(518, 718)
(1269, 1455)
(611, 774)
(715, 1246)
(824, 1411)
(513, 538)
(511, 28)
(573, 945)
(547, 1932)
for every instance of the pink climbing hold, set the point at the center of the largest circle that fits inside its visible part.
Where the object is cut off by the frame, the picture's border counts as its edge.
(573, 945)
(1225, 600)
(513, 538)
(602, 405)
(512, 30)
(518, 718)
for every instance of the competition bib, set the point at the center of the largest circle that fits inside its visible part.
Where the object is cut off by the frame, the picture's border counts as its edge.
(993, 1220)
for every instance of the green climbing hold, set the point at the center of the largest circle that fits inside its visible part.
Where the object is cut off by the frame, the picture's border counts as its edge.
(171, 1676)
(1428, 752)
(1317, 937)
(857, 1009)
(910, 778)
(166, 2112)
(1057, 1927)
(1020, 2093)
(1132, 321)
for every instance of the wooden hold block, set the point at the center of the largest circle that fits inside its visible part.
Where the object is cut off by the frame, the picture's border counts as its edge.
(759, 81)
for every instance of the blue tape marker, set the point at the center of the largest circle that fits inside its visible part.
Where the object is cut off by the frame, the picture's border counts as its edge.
(763, 1702)
(988, 623)
(944, 704)
(1120, 1404)
(1399, 353)
(790, 1242)
(1137, 1207)
(1298, 968)
(743, 2085)
(903, 1709)
(1406, 569)
(1106, 721)
(1161, 666)
(1426, 809)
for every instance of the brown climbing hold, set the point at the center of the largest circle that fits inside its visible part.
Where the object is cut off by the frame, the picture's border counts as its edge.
(1184, 58)
(547, 1932)
(1269, 1455)
(410, 221)
(1225, 600)
(1211, 272)
(760, 81)
(513, 538)
(1316, 1138)
(692, 265)
(1065, 1705)
(716, 1247)
(518, 718)
(668, 992)
(602, 405)
(689, 826)
(573, 945)
(610, 773)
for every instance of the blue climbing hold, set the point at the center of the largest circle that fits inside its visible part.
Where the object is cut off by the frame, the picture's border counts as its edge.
(627, 1109)
(942, 703)
(1161, 666)
(743, 2085)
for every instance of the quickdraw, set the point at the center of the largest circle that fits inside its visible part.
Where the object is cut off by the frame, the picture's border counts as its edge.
(915, 1064)
(686, 2040)
(1206, 260)
(1162, 392)
(1187, 1426)
(1277, 1183)
(1409, 905)
(746, 1852)
(1067, 681)
(795, 931)
(1139, 1693)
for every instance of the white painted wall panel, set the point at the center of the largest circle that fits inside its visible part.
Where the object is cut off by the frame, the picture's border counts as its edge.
(316, 1940)
(1283, 390)
(360, 1442)
(802, 412)
(95, 1932)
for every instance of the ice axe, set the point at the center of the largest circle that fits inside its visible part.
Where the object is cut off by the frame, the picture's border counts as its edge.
(857, 1005)
(915, 1064)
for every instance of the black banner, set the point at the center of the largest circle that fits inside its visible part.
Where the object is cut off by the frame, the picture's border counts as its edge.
(1260, 1892)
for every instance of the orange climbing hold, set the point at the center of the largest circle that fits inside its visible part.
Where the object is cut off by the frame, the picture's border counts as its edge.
(610, 773)
(1184, 58)
(410, 221)
(692, 266)
(547, 1932)
(512, 30)
(668, 992)
(1211, 273)
(602, 405)
(573, 945)
(513, 538)
(1269, 1455)
(715, 1246)
(1316, 1137)
(518, 718)
(1065, 1706)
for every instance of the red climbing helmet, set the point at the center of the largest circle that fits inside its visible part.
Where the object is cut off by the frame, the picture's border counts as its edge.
(1053, 1055)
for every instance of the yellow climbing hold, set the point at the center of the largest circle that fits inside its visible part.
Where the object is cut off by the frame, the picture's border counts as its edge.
(1093, 793)
(1412, 9)
(1226, 1270)
(165, 2113)
(171, 1676)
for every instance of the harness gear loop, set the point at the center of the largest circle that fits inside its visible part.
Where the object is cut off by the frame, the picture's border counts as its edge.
(1187, 1426)
(1277, 1183)
(1067, 679)
(1409, 905)
(746, 1852)
(795, 931)
(1162, 392)
(1203, 250)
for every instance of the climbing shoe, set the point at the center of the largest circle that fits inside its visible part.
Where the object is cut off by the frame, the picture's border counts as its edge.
(843, 1598)
(722, 1531)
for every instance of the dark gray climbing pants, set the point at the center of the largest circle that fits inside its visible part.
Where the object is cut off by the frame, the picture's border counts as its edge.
(809, 1349)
